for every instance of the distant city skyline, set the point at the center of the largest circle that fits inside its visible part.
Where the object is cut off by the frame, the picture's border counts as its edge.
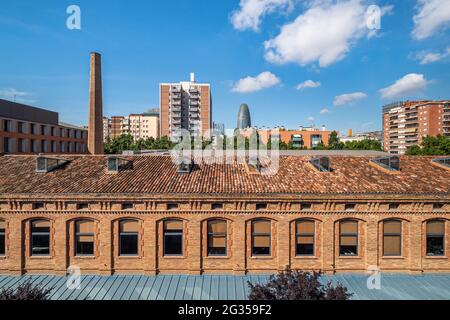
(277, 57)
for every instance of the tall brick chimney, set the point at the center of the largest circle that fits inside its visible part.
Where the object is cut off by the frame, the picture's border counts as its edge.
(95, 130)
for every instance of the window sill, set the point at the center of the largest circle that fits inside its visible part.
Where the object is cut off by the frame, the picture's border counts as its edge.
(349, 257)
(173, 257)
(128, 257)
(426, 257)
(41, 258)
(306, 257)
(218, 257)
(262, 257)
(85, 257)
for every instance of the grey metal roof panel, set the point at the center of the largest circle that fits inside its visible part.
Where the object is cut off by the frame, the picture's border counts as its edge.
(225, 287)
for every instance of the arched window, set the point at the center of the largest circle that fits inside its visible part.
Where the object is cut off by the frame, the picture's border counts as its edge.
(435, 238)
(2, 237)
(173, 238)
(128, 237)
(392, 238)
(348, 238)
(304, 238)
(40, 237)
(261, 237)
(84, 237)
(217, 238)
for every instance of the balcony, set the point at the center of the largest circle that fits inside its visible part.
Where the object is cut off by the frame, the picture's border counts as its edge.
(193, 103)
(175, 96)
(194, 97)
(193, 90)
(176, 103)
(176, 109)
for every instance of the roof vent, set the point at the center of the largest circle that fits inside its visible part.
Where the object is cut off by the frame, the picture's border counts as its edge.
(185, 165)
(442, 162)
(321, 164)
(117, 164)
(48, 164)
(391, 164)
(253, 165)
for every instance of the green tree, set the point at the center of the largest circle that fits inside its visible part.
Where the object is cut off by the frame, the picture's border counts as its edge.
(431, 146)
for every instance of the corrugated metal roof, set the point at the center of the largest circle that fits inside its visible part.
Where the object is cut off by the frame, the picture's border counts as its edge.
(224, 287)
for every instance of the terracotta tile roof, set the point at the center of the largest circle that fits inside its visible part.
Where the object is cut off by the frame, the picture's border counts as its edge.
(158, 175)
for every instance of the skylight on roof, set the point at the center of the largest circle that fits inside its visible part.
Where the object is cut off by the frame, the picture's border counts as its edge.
(443, 162)
(185, 165)
(48, 164)
(322, 164)
(117, 164)
(391, 163)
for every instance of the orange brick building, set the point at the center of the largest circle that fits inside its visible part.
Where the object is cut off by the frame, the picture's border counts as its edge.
(300, 138)
(142, 215)
(29, 130)
(405, 124)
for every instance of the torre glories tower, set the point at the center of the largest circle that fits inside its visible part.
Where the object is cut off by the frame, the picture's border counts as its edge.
(244, 120)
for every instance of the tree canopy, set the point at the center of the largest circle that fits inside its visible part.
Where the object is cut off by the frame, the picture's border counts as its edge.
(431, 146)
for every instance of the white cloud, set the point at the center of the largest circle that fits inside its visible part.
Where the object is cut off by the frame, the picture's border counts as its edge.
(252, 84)
(324, 33)
(13, 94)
(310, 119)
(325, 111)
(308, 84)
(429, 57)
(409, 84)
(347, 98)
(431, 16)
(251, 12)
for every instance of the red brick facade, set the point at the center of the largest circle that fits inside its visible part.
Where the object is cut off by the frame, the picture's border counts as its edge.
(152, 192)
(239, 260)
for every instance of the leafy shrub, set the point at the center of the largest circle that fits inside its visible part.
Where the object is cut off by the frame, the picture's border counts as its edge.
(297, 285)
(26, 291)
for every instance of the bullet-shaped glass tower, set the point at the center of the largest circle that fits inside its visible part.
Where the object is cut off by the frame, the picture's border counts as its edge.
(244, 120)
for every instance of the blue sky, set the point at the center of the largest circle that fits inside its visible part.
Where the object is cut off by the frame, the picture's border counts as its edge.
(253, 51)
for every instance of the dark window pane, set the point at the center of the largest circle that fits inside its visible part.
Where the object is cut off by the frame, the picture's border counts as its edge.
(261, 251)
(435, 246)
(40, 244)
(2, 244)
(128, 244)
(173, 244)
(303, 249)
(217, 251)
(85, 245)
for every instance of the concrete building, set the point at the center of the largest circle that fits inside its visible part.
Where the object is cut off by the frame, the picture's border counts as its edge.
(139, 126)
(27, 130)
(405, 124)
(185, 105)
(375, 135)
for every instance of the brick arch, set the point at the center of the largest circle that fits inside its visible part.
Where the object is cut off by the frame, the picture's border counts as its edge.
(127, 218)
(427, 220)
(394, 218)
(217, 218)
(261, 218)
(350, 218)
